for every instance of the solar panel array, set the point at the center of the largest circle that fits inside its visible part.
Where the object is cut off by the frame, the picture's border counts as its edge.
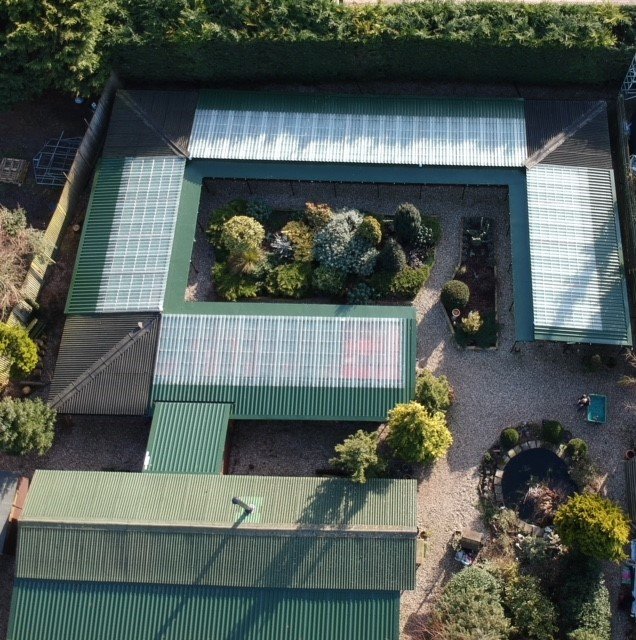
(281, 351)
(127, 241)
(576, 263)
(486, 133)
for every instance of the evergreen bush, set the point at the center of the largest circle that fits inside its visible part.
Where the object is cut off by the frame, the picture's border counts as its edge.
(455, 294)
(433, 393)
(232, 286)
(19, 349)
(407, 223)
(329, 281)
(552, 431)
(241, 234)
(509, 438)
(289, 280)
(358, 455)
(26, 426)
(392, 258)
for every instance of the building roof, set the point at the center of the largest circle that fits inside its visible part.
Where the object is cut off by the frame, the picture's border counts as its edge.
(105, 364)
(184, 529)
(290, 365)
(578, 283)
(358, 129)
(127, 238)
(187, 437)
(150, 123)
(105, 611)
(8, 488)
(630, 487)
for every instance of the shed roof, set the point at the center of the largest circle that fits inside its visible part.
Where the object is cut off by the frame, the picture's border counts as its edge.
(8, 488)
(184, 529)
(288, 366)
(105, 611)
(105, 364)
(187, 437)
(358, 129)
(127, 237)
(578, 282)
(630, 487)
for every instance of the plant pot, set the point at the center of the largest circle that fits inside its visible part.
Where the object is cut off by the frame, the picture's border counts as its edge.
(455, 313)
(630, 454)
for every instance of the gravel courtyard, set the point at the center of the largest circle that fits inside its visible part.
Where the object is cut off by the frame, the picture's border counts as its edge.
(494, 389)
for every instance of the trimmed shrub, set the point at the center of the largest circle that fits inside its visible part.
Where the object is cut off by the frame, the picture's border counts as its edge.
(415, 435)
(220, 216)
(533, 615)
(302, 240)
(552, 431)
(471, 608)
(318, 215)
(361, 293)
(26, 426)
(362, 257)
(232, 286)
(241, 234)
(392, 258)
(434, 394)
(423, 238)
(258, 210)
(577, 449)
(370, 230)
(594, 526)
(289, 280)
(407, 224)
(409, 281)
(358, 456)
(472, 323)
(509, 438)
(19, 349)
(330, 281)
(455, 294)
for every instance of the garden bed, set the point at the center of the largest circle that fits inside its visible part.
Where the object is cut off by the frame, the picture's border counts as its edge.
(314, 254)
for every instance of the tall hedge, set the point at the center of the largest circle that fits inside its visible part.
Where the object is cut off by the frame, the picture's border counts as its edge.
(47, 45)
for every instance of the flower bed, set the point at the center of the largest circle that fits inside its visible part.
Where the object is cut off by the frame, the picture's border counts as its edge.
(319, 253)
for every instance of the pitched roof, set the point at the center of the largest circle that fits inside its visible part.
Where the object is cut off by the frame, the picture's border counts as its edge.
(184, 529)
(103, 611)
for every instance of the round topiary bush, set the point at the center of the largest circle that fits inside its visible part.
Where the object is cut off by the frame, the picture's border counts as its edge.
(509, 438)
(455, 294)
(370, 230)
(392, 258)
(552, 431)
(241, 234)
(577, 449)
(407, 223)
(330, 281)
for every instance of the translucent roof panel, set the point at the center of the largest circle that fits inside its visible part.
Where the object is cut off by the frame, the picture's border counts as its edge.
(353, 129)
(127, 239)
(578, 284)
(314, 367)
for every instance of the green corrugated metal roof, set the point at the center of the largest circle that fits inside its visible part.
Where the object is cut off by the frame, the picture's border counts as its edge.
(53, 610)
(187, 438)
(179, 529)
(578, 280)
(289, 366)
(233, 125)
(127, 237)
(630, 487)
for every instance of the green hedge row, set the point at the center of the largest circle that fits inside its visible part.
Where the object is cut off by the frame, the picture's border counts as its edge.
(72, 45)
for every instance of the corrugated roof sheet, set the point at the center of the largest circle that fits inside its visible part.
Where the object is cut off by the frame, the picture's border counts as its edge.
(630, 487)
(179, 529)
(53, 610)
(8, 487)
(127, 237)
(168, 112)
(578, 283)
(287, 366)
(105, 364)
(187, 438)
(358, 129)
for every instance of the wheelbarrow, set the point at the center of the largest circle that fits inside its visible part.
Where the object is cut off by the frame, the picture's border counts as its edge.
(597, 409)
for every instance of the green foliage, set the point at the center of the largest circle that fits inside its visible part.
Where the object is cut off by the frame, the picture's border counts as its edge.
(241, 234)
(370, 230)
(248, 262)
(329, 281)
(472, 323)
(533, 615)
(594, 526)
(26, 426)
(361, 293)
(21, 351)
(258, 210)
(407, 224)
(220, 216)
(509, 438)
(391, 258)
(289, 280)
(409, 281)
(471, 608)
(12, 221)
(302, 240)
(584, 600)
(577, 449)
(434, 394)
(318, 215)
(358, 455)
(416, 435)
(455, 294)
(232, 286)
(552, 431)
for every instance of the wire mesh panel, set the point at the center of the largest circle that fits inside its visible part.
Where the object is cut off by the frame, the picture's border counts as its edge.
(578, 284)
(53, 162)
